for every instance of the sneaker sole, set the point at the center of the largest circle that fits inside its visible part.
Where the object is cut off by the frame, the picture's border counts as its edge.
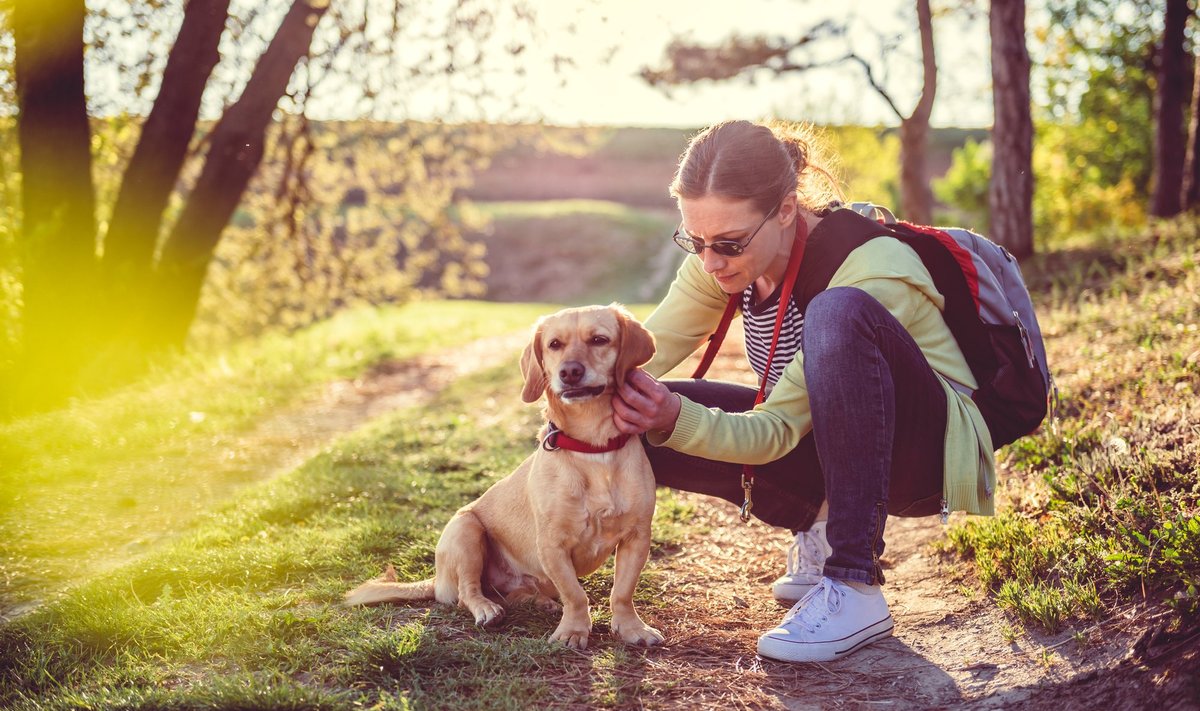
(790, 594)
(788, 651)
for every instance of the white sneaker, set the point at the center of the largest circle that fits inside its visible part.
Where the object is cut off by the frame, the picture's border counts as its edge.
(830, 622)
(805, 564)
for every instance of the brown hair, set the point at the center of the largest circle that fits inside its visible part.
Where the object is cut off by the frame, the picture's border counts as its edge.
(757, 162)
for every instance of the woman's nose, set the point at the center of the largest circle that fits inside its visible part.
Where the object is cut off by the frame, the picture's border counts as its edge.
(712, 261)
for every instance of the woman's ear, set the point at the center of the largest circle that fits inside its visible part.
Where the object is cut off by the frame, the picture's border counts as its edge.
(637, 344)
(789, 210)
(531, 368)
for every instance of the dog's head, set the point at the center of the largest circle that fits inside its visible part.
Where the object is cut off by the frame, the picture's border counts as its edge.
(578, 354)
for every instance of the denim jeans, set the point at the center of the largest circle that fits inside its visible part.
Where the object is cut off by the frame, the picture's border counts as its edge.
(879, 425)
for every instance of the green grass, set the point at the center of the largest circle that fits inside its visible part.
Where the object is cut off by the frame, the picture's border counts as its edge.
(244, 612)
(1105, 509)
(579, 251)
(105, 478)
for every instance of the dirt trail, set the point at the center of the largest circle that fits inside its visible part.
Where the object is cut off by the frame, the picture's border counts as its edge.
(952, 646)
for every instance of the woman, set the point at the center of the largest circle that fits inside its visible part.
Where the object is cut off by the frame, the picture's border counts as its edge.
(868, 410)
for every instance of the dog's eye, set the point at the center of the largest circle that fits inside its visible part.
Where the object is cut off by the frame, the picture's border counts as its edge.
(599, 340)
(554, 344)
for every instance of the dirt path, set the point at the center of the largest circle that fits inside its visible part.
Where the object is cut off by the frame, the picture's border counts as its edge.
(952, 646)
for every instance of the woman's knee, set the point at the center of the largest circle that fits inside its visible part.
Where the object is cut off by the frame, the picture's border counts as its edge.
(838, 319)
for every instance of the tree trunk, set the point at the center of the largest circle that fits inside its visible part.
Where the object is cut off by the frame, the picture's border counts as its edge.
(154, 168)
(916, 197)
(1010, 194)
(1190, 191)
(235, 151)
(1170, 99)
(58, 230)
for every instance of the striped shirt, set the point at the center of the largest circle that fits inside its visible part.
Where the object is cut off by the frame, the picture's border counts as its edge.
(758, 321)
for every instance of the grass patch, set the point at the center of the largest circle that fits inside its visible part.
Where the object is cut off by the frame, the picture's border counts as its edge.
(244, 612)
(579, 251)
(106, 477)
(1105, 509)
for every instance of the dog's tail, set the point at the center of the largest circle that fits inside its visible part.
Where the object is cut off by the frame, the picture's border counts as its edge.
(386, 589)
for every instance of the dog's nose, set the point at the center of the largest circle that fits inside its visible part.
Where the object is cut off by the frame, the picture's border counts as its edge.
(571, 372)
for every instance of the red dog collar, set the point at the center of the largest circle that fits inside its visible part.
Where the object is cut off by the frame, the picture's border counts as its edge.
(557, 439)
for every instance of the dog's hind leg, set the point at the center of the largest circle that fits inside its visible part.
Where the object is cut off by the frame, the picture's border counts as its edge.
(532, 594)
(459, 560)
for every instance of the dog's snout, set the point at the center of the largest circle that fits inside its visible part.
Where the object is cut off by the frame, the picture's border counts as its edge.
(571, 372)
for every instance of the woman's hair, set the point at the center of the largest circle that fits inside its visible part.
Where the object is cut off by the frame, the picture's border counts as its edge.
(758, 162)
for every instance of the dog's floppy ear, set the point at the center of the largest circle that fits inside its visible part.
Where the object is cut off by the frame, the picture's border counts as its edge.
(531, 368)
(637, 344)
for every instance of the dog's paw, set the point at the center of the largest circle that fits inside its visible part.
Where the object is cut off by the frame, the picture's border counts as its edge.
(573, 636)
(547, 604)
(638, 633)
(487, 613)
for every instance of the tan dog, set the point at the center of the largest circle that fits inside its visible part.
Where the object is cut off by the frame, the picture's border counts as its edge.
(561, 513)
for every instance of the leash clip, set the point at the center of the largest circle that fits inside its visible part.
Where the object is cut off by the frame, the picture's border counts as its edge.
(748, 503)
(548, 442)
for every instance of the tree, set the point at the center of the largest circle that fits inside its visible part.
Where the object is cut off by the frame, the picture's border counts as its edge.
(1171, 98)
(130, 284)
(1010, 194)
(1190, 189)
(58, 227)
(741, 57)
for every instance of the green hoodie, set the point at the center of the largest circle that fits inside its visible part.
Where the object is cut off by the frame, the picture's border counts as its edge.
(888, 270)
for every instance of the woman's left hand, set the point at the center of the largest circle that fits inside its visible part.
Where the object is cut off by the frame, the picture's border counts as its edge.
(643, 404)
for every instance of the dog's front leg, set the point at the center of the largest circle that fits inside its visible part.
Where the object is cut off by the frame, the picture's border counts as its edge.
(576, 621)
(632, 553)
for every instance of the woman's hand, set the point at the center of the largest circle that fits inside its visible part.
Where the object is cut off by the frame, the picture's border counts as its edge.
(643, 404)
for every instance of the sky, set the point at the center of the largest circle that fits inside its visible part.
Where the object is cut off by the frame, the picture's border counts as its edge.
(607, 43)
(614, 39)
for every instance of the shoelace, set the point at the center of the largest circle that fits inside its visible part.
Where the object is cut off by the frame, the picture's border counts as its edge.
(805, 555)
(810, 612)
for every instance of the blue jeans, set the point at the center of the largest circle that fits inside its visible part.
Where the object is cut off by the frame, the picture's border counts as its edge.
(879, 426)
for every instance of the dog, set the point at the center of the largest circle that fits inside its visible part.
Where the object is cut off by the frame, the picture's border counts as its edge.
(584, 494)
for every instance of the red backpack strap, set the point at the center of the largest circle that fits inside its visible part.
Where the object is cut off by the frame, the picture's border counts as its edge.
(714, 341)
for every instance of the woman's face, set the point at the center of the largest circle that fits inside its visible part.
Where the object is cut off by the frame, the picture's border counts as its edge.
(714, 218)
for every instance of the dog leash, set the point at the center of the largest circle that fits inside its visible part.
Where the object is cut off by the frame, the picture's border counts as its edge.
(714, 344)
(556, 439)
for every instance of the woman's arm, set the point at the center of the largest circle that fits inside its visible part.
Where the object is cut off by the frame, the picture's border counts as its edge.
(687, 315)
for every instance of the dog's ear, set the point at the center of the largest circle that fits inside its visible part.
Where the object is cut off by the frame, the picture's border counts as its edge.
(637, 344)
(531, 368)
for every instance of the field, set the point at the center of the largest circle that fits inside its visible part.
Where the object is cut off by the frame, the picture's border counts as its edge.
(184, 543)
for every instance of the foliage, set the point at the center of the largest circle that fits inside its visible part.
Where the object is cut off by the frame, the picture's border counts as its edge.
(964, 187)
(378, 219)
(868, 162)
(1105, 507)
(1074, 192)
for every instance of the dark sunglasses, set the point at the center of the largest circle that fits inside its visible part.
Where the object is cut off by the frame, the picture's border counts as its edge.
(724, 247)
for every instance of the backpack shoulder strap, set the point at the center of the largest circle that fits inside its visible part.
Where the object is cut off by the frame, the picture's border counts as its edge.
(831, 241)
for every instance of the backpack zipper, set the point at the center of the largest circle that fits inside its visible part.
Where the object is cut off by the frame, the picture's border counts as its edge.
(1025, 340)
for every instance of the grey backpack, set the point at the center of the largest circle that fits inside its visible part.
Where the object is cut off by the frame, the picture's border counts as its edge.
(988, 308)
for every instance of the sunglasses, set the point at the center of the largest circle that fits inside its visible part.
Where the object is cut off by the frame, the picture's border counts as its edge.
(724, 247)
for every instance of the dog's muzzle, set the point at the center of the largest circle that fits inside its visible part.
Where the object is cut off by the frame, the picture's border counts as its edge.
(581, 393)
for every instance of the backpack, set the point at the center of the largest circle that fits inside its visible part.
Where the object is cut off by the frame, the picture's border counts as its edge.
(988, 308)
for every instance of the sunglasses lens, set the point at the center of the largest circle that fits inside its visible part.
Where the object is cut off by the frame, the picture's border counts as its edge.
(726, 249)
(687, 243)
